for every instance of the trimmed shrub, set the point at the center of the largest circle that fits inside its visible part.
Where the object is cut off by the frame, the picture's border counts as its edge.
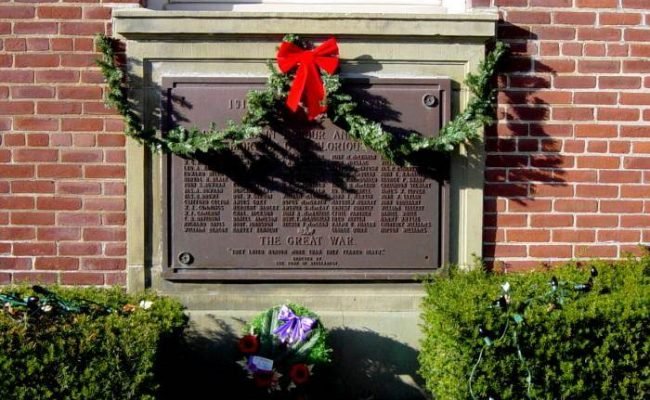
(575, 343)
(86, 355)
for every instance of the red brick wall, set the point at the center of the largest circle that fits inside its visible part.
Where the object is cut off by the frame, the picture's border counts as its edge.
(62, 158)
(568, 165)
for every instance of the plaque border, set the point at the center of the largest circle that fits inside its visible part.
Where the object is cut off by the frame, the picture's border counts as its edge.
(342, 274)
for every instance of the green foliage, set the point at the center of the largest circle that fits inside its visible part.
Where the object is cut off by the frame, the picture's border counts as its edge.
(264, 104)
(593, 345)
(87, 356)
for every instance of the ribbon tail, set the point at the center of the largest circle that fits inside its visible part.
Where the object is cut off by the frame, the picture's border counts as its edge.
(297, 88)
(314, 93)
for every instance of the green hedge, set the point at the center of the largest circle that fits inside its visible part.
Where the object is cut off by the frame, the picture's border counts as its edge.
(575, 344)
(87, 355)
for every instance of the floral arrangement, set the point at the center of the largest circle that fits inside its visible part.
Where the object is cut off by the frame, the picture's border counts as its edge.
(282, 347)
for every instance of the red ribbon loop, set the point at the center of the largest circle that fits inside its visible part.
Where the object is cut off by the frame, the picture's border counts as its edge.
(307, 85)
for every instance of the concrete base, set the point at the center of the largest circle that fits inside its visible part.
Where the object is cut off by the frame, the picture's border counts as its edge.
(368, 361)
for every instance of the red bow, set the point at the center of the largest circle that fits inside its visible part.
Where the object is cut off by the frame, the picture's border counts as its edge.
(307, 84)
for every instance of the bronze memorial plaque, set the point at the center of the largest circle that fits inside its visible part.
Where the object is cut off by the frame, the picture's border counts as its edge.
(304, 201)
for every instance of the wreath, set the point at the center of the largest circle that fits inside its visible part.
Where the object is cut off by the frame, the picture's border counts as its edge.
(282, 347)
(306, 79)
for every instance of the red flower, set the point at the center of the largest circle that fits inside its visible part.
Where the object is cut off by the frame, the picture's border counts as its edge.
(249, 344)
(299, 373)
(263, 379)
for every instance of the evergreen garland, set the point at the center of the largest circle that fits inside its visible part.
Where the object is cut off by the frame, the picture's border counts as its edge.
(264, 106)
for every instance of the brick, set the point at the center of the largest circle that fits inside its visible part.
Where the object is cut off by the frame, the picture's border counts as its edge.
(56, 107)
(16, 107)
(597, 3)
(38, 44)
(595, 251)
(56, 263)
(36, 124)
(595, 49)
(621, 206)
(595, 98)
(597, 146)
(78, 188)
(617, 50)
(636, 66)
(115, 249)
(573, 113)
(6, 60)
(36, 277)
(532, 82)
(14, 140)
(32, 218)
(551, 130)
(37, 60)
(619, 147)
(56, 76)
(493, 235)
(619, 236)
(16, 202)
(574, 82)
(608, 18)
(16, 76)
(637, 35)
(554, 33)
(505, 220)
(103, 264)
(617, 114)
(635, 221)
(639, 50)
(636, 163)
(551, 190)
(115, 278)
(32, 187)
(82, 278)
(61, 139)
(520, 113)
(642, 99)
(598, 66)
(92, 77)
(598, 162)
(15, 44)
(59, 12)
(115, 156)
(78, 219)
(59, 171)
(620, 177)
(79, 249)
(596, 221)
(16, 12)
(104, 234)
(554, 66)
(642, 147)
(542, 221)
(58, 203)
(551, 251)
(34, 249)
(38, 140)
(640, 4)
(551, 3)
(84, 44)
(82, 156)
(78, 60)
(97, 107)
(82, 28)
(114, 125)
(529, 17)
(599, 34)
(82, 124)
(30, 155)
(104, 204)
(572, 49)
(575, 206)
(80, 92)
(528, 235)
(114, 188)
(61, 44)
(597, 191)
(58, 233)
(97, 13)
(14, 263)
(596, 130)
(573, 236)
(574, 18)
(33, 28)
(104, 171)
(619, 82)
(504, 250)
(111, 140)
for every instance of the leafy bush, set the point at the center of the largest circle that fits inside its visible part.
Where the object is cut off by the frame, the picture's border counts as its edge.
(86, 355)
(575, 344)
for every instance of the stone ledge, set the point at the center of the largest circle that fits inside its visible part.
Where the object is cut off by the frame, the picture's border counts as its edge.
(148, 24)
